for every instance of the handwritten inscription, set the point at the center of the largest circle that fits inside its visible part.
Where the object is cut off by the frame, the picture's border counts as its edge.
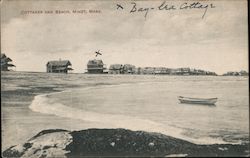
(164, 6)
(197, 5)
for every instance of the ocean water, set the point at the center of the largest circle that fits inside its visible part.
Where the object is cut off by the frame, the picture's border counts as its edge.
(136, 102)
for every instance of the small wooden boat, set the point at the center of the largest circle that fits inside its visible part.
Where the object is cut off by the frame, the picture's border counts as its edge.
(205, 101)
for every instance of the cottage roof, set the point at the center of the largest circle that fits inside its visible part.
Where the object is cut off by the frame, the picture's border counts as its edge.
(4, 58)
(160, 68)
(115, 67)
(59, 63)
(129, 66)
(3, 55)
(95, 62)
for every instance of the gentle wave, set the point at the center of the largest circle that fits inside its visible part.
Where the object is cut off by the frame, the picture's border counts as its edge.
(45, 105)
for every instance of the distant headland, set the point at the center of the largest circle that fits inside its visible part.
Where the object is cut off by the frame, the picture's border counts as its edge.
(235, 73)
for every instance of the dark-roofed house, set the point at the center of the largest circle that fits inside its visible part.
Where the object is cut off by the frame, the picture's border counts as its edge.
(95, 66)
(59, 66)
(5, 63)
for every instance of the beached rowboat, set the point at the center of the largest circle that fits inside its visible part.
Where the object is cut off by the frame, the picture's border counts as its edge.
(206, 101)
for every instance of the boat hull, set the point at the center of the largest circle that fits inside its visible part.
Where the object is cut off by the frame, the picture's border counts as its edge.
(186, 100)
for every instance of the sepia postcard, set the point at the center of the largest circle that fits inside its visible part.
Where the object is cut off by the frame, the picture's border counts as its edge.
(124, 78)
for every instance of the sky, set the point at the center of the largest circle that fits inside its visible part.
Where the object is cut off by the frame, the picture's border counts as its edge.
(165, 38)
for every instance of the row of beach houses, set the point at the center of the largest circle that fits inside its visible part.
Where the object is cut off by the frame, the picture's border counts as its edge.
(131, 69)
(98, 67)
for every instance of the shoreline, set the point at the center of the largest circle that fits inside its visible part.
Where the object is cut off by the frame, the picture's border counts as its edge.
(155, 127)
(108, 74)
